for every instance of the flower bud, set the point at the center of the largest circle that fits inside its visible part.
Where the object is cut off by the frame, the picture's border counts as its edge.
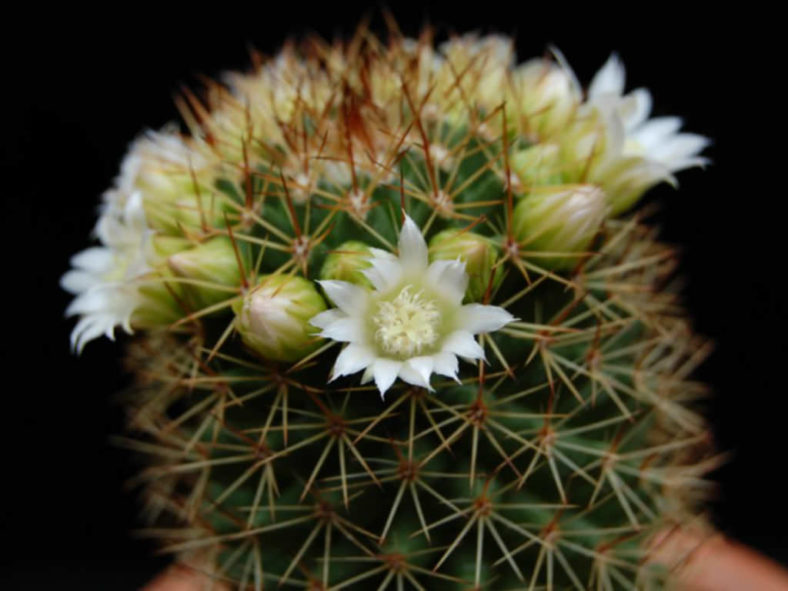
(176, 179)
(273, 318)
(537, 165)
(545, 97)
(347, 263)
(477, 252)
(212, 263)
(170, 209)
(159, 300)
(165, 246)
(593, 149)
(627, 179)
(561, 220)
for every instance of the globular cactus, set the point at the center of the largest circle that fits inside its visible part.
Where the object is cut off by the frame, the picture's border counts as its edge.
(396, 324)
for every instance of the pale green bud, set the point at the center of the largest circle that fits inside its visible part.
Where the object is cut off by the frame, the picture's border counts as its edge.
(477, 252)
(537, 165)
(626, 180)
(545, 96)
(182, 207)
(347, 263)
(561, 220)
(213, 267)
(165, 246)
(160, 298)
(273, 318)
(176, 178)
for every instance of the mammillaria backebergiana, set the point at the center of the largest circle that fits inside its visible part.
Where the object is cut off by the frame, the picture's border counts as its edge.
(439, 225)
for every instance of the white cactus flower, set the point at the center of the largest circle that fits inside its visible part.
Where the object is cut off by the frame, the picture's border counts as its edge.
(102, 277)
(657, 140)
(615, 145)
(413, 322)
(546, 94)
(107, 280)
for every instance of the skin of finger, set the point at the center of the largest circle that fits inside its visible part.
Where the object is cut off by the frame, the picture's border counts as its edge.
(703, 562)
(700, 563)
(184, 578)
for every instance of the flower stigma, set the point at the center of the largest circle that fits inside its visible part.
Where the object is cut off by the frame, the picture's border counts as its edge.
(408, 324)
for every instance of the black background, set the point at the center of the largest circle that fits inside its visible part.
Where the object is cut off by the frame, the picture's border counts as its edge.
(78, 87)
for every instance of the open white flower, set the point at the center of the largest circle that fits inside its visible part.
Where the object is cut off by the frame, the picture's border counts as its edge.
(413, 323)
(658, 139)
(108, 281)
(103, 277)
(616, 146)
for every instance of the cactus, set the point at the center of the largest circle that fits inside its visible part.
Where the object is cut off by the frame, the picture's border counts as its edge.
(398, 323)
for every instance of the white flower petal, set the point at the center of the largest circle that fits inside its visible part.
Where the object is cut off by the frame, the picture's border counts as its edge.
(685, 163)
(448, 278)
(678, 148)
(412, 247)
(615, 135)
(87, 329)
(348, 297)
(384, 273)
(417, 371)
(385, 371)
(609, 79)
(345, 330)
(379, 253)
(96, 259)
(645, 173)
(76, 281)
(326, 318)
(134, 212)
(638, 107)
(352, 359)
(567, 70)
(446, 365)
(368, 375)
(476, 318)
(462, 343)
(654, 131)
(102, 309)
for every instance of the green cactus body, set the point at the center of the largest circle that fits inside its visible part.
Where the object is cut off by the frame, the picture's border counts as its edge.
(549, 465)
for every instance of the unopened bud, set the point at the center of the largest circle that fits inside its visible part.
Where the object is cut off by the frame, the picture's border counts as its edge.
(546, 96)
(176, 178)
(477, 252)
(537, 165)
(557, 226)
(347, 263)
(273, 318)
(211, 270)
(165, 246)
(160, 300)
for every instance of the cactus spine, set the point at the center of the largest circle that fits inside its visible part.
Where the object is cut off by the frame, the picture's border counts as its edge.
(548, 465)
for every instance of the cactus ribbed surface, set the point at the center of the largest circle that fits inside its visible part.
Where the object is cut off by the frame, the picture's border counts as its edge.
(277, 249)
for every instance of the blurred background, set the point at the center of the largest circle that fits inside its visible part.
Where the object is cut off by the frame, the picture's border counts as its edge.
(79, 87)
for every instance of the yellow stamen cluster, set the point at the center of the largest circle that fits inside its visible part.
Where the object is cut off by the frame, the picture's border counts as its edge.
(408, 324)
